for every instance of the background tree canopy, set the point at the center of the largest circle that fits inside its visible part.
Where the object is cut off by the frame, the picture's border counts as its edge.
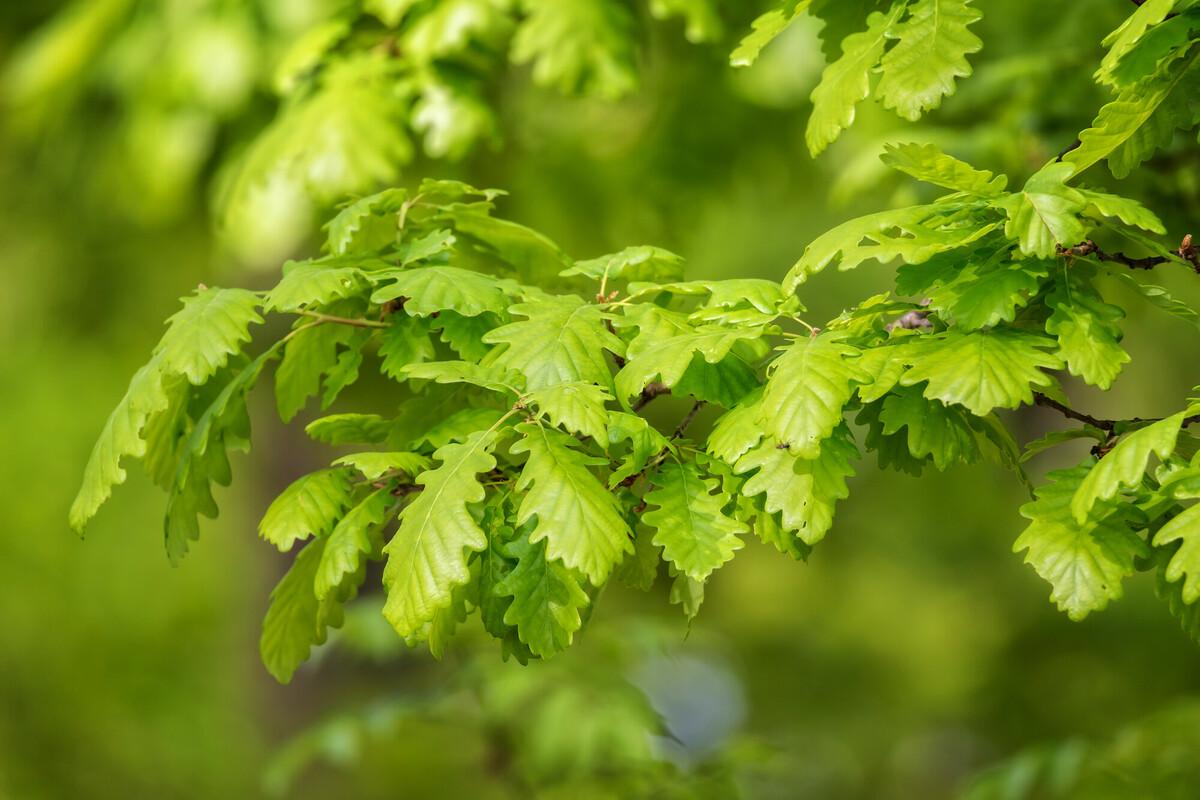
(585, 441)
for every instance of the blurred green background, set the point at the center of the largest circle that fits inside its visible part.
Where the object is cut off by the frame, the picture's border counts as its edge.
(912, 651)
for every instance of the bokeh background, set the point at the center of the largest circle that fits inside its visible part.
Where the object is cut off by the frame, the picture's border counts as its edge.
(912, 651)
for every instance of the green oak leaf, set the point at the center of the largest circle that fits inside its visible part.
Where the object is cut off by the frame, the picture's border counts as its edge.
(427, 557)
(689, 520)
(1085, 560)
(983, 370)
(576, 514)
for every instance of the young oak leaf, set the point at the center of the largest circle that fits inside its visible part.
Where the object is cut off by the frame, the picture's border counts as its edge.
(339, 429)
(667, 347)
(491, 377)
(804, 491)
(847, 82)
(1125, 464)
(297, 620)
(314, 283)
(546, 597)
(690, 524)
(807, 391)
(1148, 15)
(204, 459)
(686, 592)
(465, 334)
(1142, 118)
(324, 353)
(122, 436)
(926, 162)
(578, 517)
(428, 290)
(1131, 212)
(427, 557)
(1044, 214)
(494, 565)
(1088, 336)
(645, 442)
(1185, 562)
(644, 263)
(351, 540)
(765, 29)
(576, 406)
(374, 465)
(930, 54)
(737, 430)
(942, 433)
(365, 219)
(405, 341)
(984, 294)
(309, 506)
(1085, 559)
(1171, 593)
(913, 234)
(212, 326)
(561, 340)
(983, 370)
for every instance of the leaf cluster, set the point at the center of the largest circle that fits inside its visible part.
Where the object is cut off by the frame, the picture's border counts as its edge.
(517, 473)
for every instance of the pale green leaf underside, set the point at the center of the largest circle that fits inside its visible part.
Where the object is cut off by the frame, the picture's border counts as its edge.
(122, 436)
(310, 506)
(1125, 464)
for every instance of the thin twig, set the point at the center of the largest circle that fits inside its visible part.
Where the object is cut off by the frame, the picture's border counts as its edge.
(1103, 424)
(1070, 413)
(1186, 251)
(687, 420)
(652, 390)
(1063, 153)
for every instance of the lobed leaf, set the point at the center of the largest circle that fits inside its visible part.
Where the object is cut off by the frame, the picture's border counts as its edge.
(212, 326)
(983, 370)
(1125, 464)
(427, 557)
(350, 541)
(804, 491)
(690, 524)
(808, 389)
(576, 515)
(931, 52)
(310, 506)
(546, 597)
(561, 340)
(847, 82)
(121, 437)
(1085, 560)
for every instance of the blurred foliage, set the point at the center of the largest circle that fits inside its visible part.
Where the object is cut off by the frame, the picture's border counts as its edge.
(1151, 757)
(909, 654)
